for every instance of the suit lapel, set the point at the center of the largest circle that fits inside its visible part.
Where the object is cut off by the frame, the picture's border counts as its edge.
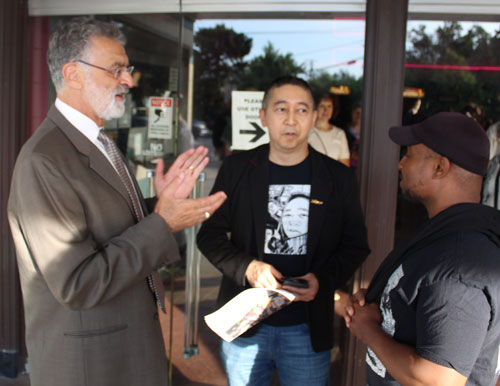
(259, 185)
(321, 193)
(100, 164)
(97, 161)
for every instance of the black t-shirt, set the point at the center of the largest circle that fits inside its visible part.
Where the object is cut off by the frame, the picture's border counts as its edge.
(285, 242)
(441, 300)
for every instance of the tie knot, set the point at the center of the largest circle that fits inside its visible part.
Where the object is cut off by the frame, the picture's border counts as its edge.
(103, 137)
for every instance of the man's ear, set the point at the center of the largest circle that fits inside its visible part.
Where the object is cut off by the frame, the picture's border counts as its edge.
(442, 167)
(73, 75)
(262, 115)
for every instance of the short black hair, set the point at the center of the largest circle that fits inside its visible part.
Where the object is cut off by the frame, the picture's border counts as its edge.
(283, 81)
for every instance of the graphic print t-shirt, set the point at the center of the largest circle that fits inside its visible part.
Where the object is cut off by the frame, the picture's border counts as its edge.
(436, 301)
(285, 242)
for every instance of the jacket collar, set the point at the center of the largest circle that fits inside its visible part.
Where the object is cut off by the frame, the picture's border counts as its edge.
(96, 160)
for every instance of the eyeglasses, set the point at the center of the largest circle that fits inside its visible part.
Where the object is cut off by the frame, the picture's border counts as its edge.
(117, 72)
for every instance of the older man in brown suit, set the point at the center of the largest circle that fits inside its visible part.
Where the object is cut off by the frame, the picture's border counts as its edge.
(87, 243)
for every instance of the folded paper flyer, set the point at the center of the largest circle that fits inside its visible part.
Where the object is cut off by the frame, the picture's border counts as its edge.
(247, 309)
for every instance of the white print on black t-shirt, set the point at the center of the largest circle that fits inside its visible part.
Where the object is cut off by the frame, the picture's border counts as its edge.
(388, 322)
(286, 229)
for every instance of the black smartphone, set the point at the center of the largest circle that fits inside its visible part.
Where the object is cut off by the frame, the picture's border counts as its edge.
(294, 282)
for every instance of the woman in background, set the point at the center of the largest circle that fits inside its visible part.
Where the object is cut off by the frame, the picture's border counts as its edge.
(327, 138)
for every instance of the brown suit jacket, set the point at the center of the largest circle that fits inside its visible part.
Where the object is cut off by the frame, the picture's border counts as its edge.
(83, 260)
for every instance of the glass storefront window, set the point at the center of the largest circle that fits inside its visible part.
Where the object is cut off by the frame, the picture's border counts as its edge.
(246, 55)
(183, 97)
(235, 57)
(185, 73)
(450, 66)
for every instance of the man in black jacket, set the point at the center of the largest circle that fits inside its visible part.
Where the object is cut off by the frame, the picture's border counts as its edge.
(290, 212)
(431, 313)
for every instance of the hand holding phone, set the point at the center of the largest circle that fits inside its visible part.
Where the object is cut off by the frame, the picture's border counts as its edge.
(294, 282)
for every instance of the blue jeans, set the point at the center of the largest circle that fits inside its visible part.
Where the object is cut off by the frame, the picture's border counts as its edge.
(251, 361)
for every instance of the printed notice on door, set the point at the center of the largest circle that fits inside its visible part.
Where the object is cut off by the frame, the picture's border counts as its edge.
(160, 118)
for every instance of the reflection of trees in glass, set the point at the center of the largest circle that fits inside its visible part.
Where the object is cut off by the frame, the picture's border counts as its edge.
(153, 82)
(263, 69)
(218, 62)
(322, 81)
(451, 89)
(219, 65)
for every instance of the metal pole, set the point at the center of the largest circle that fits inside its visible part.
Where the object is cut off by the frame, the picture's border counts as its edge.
(193, 258)
(190, 90)
(383, 80)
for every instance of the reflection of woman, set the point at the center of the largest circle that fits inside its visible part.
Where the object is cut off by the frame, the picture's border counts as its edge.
(327, 138)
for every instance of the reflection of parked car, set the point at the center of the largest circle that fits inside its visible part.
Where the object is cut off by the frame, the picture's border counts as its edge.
(200, 129)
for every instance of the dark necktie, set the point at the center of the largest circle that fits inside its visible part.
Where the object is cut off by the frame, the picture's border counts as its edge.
(154, 281)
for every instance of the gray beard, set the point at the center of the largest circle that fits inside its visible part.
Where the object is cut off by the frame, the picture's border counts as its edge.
(105, 107)
(114, 110)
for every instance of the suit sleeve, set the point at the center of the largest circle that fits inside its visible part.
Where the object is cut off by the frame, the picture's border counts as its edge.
(352, 248)
(81, 268)
(213, 239)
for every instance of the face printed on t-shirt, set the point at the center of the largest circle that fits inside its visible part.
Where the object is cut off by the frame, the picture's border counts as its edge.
(288, 207)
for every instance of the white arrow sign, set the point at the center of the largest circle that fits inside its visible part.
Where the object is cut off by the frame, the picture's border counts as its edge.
(247, 130)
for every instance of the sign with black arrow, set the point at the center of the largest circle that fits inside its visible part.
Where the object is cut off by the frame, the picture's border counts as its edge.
(247, 131)
(257, 132)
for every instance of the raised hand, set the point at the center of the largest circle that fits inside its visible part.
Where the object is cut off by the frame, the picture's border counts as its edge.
(182, 213)
(189, 165)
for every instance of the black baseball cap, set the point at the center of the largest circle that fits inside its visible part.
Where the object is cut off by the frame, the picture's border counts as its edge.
(453, 135)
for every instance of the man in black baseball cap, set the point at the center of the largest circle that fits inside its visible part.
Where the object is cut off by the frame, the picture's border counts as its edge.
(430, 314)
(453, 135)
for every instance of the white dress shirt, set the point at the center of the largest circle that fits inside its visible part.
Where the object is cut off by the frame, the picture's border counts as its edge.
(87, 127)
(84, 124)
